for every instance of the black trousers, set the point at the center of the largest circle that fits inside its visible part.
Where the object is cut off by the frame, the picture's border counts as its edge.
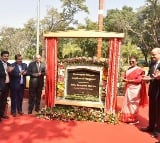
(34, 98)
(16, 95)
(3, 98)
(154, 112)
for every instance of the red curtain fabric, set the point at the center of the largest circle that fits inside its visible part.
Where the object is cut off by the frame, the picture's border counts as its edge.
(144, 94)
(51, 70)
(112, 79)
(113, 68)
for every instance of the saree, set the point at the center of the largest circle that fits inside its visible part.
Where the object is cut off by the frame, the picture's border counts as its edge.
(135, 95)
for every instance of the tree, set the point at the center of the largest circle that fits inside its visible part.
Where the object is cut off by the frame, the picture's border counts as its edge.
(141, 28)
(128, 50)
(118, 21)
(30, 32)
(71, 50)
(23, 40)
(148, 27)
(55, 20)
(13, 40)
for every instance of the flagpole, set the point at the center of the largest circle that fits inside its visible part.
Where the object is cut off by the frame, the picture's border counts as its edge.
(38, 17)
(100, 27)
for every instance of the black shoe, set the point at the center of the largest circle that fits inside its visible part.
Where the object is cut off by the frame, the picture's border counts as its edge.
(5, 117)
(20, 113)
(29, 112)
(13, 114)
(154, 134)
(37, 110)
(157, 130)
(148, 130)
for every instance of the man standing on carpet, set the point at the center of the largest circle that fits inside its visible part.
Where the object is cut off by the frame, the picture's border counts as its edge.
(154, 94)
(17, 85)
(5, 69)
(36, 71)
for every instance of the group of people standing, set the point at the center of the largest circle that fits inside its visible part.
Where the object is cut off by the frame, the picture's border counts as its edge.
(13, 83)
(136, 93)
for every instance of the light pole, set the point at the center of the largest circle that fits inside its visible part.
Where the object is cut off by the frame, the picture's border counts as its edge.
(38, 17)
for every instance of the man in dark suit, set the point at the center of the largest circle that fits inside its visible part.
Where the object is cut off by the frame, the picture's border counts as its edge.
(5, 68)
(17, 85)
(36, 71)
(154, 94)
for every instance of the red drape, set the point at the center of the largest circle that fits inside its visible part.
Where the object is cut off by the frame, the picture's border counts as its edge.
(51, 70)
(51, 74)
(112, 79)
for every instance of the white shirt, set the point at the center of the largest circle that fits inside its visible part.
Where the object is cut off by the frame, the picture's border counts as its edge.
(5, 68)
(20, 69)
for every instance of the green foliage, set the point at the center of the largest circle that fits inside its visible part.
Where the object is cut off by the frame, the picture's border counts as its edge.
(58, 21)
(112, 118)
(23, 40)
(141, 28)
(148, 27)
(94, 98)
(88, 46)
(75, 5)
(128, 50)
(117, 20)
(90, 25)
(71, 50)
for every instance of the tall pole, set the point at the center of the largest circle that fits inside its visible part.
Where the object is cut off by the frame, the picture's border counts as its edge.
(38, 17)
(100, 27)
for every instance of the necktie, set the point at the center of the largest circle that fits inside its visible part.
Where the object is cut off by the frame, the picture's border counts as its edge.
(38, 66)
(20, 69)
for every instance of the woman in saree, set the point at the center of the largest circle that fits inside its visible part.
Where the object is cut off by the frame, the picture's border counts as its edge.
(135, 92)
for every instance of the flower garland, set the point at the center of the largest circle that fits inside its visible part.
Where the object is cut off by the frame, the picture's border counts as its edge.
(68, 113)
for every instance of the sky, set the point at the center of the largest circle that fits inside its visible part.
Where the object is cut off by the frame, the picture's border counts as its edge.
(15, 13)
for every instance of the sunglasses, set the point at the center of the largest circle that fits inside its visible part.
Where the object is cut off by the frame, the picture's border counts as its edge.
(131, 61)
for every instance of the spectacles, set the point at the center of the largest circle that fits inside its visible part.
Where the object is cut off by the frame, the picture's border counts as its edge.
(131, 61)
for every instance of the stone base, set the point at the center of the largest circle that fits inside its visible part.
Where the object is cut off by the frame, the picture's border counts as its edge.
(80, 103)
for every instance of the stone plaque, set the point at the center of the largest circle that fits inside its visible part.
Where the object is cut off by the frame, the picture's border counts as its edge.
(83, 81)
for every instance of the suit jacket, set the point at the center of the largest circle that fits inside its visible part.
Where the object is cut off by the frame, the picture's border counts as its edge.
(154, 86)
(15, 77)
(32, 71)
(2, 75)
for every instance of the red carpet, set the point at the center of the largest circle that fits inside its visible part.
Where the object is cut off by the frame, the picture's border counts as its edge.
(29, 129)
